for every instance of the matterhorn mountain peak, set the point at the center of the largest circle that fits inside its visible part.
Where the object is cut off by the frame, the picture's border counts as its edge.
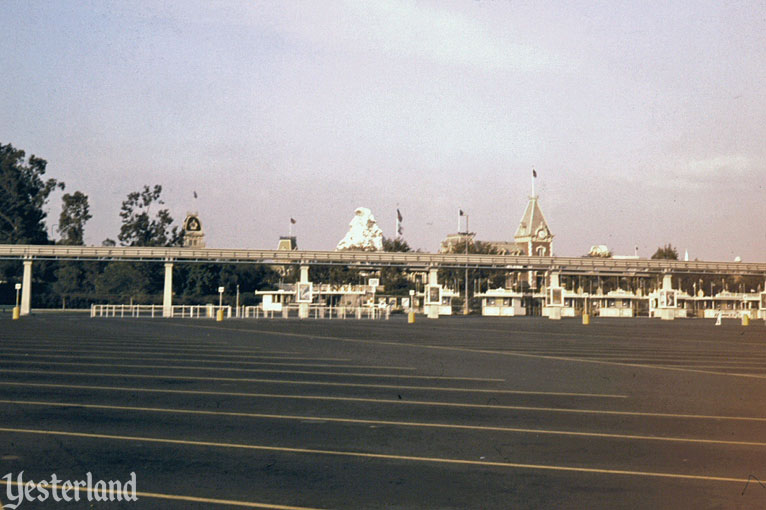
(363, 233)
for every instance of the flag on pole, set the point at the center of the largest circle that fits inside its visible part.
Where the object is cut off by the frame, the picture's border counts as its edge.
(534, 173)
(399, 229)
(292, 220)
(195, 194)
(461, 212)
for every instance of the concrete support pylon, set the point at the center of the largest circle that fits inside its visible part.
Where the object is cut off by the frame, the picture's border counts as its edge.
(668, 314)
(26, 288)
(167, 294)
(432, 311)
(554, 309)
(303, 308)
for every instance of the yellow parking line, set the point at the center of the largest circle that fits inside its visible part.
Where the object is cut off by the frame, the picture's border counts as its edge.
(732, 367)
(185, 353)
(382, 456)
(266, 363)
(262, 370)
(282, 396)
(359, 421)
(176, 497)
(679, 359)
(305, 383)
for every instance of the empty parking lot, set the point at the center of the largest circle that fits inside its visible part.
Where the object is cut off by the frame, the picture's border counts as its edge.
(454, 413)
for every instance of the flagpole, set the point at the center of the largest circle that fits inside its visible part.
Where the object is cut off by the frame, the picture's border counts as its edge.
(533, 182)
(291, 227)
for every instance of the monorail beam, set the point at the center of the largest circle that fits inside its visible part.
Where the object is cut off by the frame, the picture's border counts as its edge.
(409, 260)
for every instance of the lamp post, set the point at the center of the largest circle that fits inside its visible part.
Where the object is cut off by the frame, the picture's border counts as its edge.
(465, 295)
(18, 288)
(220, 298)
(237, 300)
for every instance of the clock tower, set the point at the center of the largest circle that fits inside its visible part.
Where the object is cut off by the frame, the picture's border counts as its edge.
(194, 236)
(533, 235)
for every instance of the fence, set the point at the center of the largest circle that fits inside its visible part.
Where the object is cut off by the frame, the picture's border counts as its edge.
(244, 312)
(181, 311)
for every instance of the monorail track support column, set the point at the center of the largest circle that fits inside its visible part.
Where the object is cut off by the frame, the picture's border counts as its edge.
(26, 288)
(167, 295)
(304, 307)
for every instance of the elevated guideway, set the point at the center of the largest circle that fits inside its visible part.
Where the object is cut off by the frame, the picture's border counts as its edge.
(410, 261)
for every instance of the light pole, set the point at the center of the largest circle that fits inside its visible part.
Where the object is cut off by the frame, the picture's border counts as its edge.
(220, 298)
(465, 298)
(237, 300)
(18, 288)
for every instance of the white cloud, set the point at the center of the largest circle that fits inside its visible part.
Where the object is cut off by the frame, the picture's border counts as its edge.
(713, 169)
(440, 36)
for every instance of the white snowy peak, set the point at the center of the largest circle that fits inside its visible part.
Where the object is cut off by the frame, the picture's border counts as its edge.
(363, 233)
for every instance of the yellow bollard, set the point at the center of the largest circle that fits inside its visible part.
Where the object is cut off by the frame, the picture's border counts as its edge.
(219, 315)
(585, 319)
(411, 318)
(745, 320)
(15, 313)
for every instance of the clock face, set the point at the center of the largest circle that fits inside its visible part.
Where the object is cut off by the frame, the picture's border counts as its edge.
(541, 234)
(193, 225)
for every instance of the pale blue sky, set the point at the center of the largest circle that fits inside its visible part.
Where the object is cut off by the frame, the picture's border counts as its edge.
(645, 120)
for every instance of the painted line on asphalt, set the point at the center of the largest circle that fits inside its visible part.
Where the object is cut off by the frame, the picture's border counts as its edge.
(282, 396)
(170, 497)
(588, 335)
(319, 383)
(679, 359)
(485, 351)
(151, 347)
(652, 355)
(261, 370)
(238, 356)
(267, 363)
(380, 456)
(392, 423)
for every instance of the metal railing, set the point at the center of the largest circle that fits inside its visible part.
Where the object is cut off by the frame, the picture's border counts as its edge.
(245, 312)
(176, 311)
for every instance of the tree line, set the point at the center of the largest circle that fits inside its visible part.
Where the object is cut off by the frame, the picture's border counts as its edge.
(25, 191)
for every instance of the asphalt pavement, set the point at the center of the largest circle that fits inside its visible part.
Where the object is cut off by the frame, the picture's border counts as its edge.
(454, 413)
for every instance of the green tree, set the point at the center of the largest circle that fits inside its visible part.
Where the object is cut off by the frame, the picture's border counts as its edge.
(667, 252)
(122, 281)
(394, 279)
(456, 277)
(75, 213)
(74, 279)
(395, 244)
(139, 228)
(24, 195)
